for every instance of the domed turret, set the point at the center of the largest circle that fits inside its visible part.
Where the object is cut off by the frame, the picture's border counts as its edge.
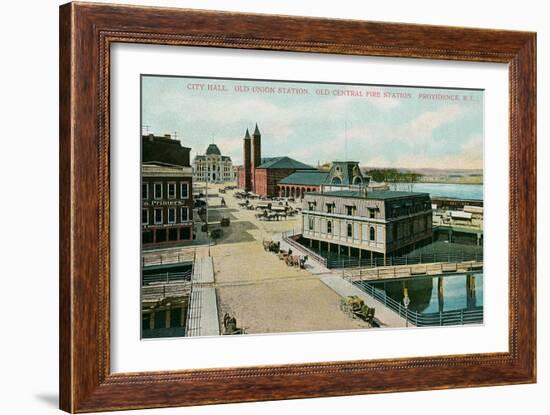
(213, 150)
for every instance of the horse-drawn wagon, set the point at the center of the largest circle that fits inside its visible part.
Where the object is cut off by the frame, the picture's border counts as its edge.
(356, 307)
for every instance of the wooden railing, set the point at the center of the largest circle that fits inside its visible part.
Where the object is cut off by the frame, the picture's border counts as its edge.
(407, 271)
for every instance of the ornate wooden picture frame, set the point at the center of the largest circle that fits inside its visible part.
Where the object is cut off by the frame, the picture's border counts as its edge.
(87, 32)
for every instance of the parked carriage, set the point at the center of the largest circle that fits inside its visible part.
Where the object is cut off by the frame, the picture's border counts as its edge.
(263, 205)
(272, 246)
(356, 308)
(296, 261)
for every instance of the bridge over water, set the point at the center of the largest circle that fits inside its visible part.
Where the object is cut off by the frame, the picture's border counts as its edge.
(399, 272)
(373, 282)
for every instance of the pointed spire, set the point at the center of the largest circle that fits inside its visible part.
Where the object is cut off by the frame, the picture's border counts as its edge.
(247, 135)
(256, 131)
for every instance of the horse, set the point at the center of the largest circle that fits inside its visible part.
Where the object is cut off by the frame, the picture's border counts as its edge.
(292, 260)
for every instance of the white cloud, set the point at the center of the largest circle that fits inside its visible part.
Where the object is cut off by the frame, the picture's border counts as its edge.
(469, 157)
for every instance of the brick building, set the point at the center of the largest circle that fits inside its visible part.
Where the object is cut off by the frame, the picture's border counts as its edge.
(262, 175)
(167, 192)
(167, 204)
(164, 149)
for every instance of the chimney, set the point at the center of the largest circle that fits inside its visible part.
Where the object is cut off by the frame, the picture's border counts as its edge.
(366, 182)
(246, 161)
(257, 142)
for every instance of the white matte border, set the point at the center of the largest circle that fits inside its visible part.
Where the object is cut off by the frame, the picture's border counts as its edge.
(130, 354)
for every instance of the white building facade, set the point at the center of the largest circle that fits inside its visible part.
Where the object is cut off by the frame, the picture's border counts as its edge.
(213, 166)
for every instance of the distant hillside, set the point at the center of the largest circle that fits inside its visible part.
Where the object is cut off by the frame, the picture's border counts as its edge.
(429, 175)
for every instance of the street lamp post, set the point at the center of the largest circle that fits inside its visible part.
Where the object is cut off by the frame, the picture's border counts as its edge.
(207, 206)
(406, 302)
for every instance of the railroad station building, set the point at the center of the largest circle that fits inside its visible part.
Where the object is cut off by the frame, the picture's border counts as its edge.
(298, 183)
(213, 166)
(261, 175)
(363, 222)
(343, 175)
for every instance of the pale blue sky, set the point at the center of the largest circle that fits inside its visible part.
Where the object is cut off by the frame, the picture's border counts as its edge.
(410, 132)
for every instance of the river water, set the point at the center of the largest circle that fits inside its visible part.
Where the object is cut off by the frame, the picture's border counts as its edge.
(424, 292)
(425, 297)
(458, 191)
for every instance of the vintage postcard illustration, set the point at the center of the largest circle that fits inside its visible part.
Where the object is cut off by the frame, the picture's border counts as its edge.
(281, 206)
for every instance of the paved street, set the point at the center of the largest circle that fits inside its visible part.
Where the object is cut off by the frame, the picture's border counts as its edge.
(257, 288)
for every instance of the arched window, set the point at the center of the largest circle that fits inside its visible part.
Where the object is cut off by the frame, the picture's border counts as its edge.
(329, 227)
(350, 230)
(357, 180)
(372, 233)
(336, 180)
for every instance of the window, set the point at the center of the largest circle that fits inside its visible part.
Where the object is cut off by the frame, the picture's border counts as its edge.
(171, 215)
(158, 216)
(185, 233)
(158, 190)
(329, 227)
(372, 235)
(311, 205)
(184, 214)
(330, 207)
(350, 230)
(145, 216)
(171, 190)
(173, 234)
(145, 190)
(147, 237)
(184, 190)
(372, 213)
(350, 210)
(311, 223)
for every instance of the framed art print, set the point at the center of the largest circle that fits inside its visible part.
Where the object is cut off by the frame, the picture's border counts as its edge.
(317, 208)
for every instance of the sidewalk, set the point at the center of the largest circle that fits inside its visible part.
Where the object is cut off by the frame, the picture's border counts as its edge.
(312, 266)
(383, 315)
